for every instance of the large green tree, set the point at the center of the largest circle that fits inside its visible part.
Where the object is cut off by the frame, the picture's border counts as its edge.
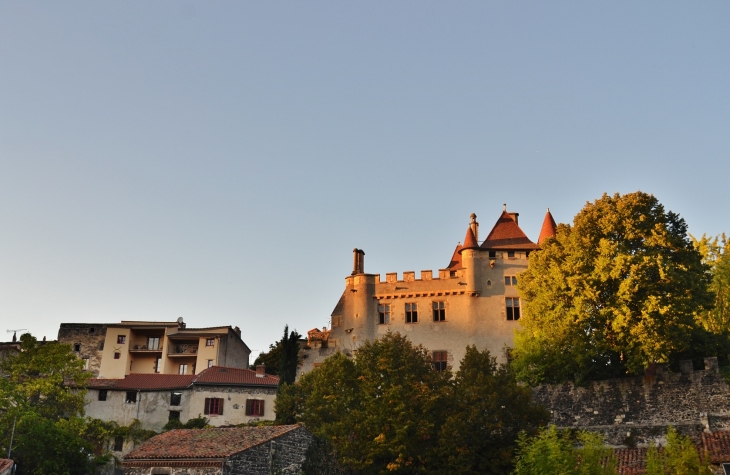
(617, 290)
(282, 359)
(41, 408)
(389, 411)
(716, 254)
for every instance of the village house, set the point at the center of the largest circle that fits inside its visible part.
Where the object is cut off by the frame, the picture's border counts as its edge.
(225, 396)
(222, 451)
(472, 301)
(6, 467)
(115, 350)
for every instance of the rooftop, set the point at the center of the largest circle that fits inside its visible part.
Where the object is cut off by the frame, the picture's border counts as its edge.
(206, 443)
(506, 234)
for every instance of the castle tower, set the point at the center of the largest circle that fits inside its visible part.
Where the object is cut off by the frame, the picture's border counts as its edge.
(548, 228)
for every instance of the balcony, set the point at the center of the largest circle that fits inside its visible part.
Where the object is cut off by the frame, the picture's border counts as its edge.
(182, 350)
(145, 349)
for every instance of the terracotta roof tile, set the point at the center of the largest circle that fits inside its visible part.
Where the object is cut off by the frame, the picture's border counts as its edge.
(506, 234)
(234, 376)
(548, 228)
(717, 446)
(630, 461)
(5, 464)
(470, 241)
(214, 375)
(154, 381)
(455, 258)
(205, 443)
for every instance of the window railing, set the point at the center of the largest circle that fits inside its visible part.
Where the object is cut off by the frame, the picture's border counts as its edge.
(182, 349)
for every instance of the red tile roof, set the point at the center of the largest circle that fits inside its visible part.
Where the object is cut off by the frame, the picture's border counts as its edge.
(234, 376)
(717, 446)
(155, 381)
(455, 259)
(630, 461)
(5, 464)
(548, 228)
(470, 241)
(205, 443)
(216, 375)
(506, 234)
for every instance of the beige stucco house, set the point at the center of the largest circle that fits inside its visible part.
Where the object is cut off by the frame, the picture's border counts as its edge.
(225, 396)
(117, 349)
(472, 301)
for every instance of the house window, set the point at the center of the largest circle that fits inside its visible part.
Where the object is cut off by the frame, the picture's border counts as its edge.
(77, 347)
(210, 342)
(513, 308)
(384, 314)
(153, 343)
(439, 311)
(183, 369)
(174, 416)
(510, 254)
(213, 406)
(102, 395)
(86, 363)
(411, 313)
(131, 397)
(117, 355)
(175, 398)
(121, 339)
(439, 360)
(210, 363)
(510, 280)
(118, 444)
(158, 365)
(255, 407)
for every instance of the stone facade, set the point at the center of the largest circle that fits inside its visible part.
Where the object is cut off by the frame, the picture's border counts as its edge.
(87, 341)
(283, 455)
(640, 409)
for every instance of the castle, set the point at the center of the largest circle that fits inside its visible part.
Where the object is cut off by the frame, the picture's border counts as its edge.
(473, 301)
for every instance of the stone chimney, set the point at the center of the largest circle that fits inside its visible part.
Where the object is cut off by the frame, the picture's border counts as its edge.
(260, 371)
(238, 331)
(358, 261)
(514, 217)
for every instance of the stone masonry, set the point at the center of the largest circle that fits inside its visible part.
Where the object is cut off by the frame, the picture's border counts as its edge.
(640, 409)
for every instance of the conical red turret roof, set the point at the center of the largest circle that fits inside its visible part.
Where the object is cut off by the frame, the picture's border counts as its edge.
(506, 234)
(548, 228)
(456, 258)
(470, 241)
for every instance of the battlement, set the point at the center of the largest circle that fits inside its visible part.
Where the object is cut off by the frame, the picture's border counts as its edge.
(410, 276)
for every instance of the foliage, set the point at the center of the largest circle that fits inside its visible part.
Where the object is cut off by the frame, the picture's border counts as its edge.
(42, 393)
(679, 457)
(282, 359)
(552, 452)
(321, 459)
(487, 412)
(199, 422)
(715, 253)
(389, 411)
(617, 290)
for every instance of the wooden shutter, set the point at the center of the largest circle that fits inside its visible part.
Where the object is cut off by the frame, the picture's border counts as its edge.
(206, 410)
(220, 406)
(261, 408)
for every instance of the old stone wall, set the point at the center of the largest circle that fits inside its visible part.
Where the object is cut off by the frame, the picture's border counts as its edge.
(87, 340)
(640, 409)
(283, 455)
(173, 470)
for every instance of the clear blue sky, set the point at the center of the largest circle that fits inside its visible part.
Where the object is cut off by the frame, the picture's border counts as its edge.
(220, 160)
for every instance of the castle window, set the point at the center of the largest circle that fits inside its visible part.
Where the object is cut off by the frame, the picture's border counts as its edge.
(439, 311)
(452, 274)
(492, 254)
(439, 360)
(510, 254)
(513, 308)
(102, 395)
(510, 280)
(91, 330)
(411, 313)
(255, 407)
(384, 314)
(121, 339)
(213, 406)
(77, 347)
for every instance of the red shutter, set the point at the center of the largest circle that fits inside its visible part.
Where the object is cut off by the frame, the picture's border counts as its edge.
(248, 407)
(261, 411)
(206, 410)
(220, 407)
